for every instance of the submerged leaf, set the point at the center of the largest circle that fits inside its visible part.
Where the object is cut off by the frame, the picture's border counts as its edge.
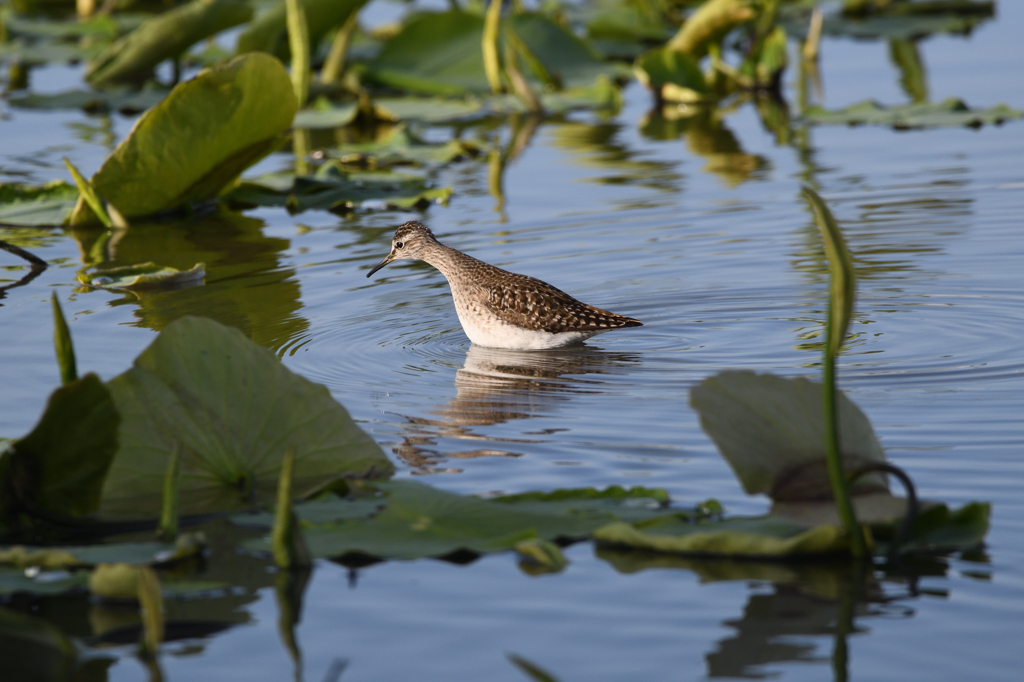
(143, 276)
(201, 137)
(948, 113)
(770, 431)
(232, 408)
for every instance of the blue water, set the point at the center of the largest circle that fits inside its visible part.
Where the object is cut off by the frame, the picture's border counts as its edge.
(717, 255)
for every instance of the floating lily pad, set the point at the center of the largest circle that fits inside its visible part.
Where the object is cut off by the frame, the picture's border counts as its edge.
(401, 147)
(123, 99)
(20, 581)
(48, 204)
(143, 276)
(340, 192)
(134, 553)
(233, 410)
(417, 521)
(165, 36)
(201, 137)
(948, 113)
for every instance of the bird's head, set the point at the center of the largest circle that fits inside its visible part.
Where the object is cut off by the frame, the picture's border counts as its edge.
(411, 241)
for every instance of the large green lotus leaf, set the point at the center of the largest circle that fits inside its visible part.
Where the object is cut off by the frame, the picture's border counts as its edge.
(770, 430)
(200, 138)
(764, 536)
(434, 53)
(60, 466)
(418, 521)
(948, 113)
(570, 61)
(233, 410)
(49, 204)
(165, 36)
(268, 31)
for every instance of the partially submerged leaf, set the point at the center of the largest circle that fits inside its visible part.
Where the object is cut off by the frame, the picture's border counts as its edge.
(233, 409)
(770, 431)
(59, 468)
(740, 537)
(948, 113)
(197, 140)
(165, 36)
(143, 276)
(48, 204)
(673, 76)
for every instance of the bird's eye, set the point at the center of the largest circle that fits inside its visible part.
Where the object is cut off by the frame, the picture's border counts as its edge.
(399, 245)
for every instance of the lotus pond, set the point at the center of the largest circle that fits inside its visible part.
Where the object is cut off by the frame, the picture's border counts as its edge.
(343, 487)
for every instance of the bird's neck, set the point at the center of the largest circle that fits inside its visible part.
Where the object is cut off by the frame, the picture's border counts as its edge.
(450, 261)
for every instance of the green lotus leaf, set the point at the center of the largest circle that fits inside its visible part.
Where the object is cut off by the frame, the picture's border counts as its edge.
(411, 520)
(764, 536)
(434, 53)
(672, 75)
(770, 430)
(134, 553)
(59, 467)
(48, 204)
(165, 36)
(120, 98)
(233, 410)
(143, 276)
(43, 583)
(200, 138)
(268, 32)
(948, 113)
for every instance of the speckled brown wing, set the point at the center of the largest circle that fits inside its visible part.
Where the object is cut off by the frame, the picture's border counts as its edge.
(532, 304)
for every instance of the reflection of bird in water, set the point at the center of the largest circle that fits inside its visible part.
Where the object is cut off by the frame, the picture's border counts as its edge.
(496, 386)
(501, 309)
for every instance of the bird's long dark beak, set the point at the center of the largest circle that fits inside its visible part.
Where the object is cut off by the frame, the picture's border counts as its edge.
(390, 257)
